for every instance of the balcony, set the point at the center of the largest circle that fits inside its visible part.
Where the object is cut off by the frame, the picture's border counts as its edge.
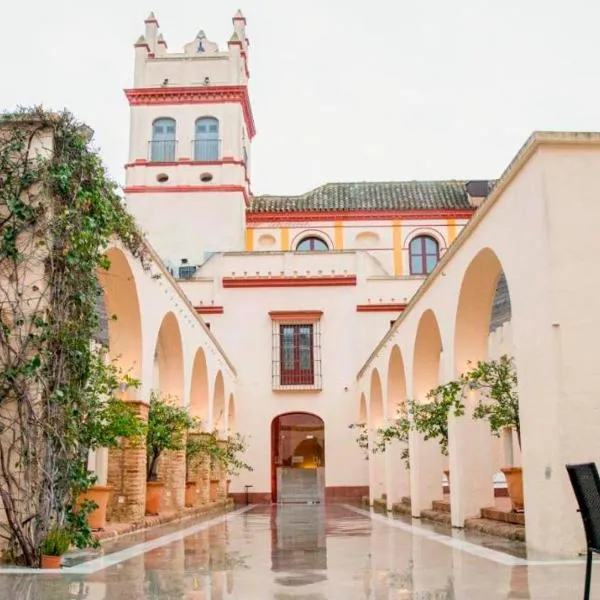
(162, 151)
(206, 150)
(186, 271)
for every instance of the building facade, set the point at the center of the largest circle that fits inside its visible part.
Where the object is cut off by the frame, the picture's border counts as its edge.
(296, 288)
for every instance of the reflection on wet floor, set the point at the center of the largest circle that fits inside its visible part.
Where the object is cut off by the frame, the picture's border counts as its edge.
(301, 552)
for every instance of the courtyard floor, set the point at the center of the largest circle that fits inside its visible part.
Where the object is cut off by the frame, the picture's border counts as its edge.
(305, 552)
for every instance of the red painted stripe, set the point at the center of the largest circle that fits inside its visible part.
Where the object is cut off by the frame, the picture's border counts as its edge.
(398, 307)
(209, 310)
(356, 215)
(210, 94)
(186, 189)
(257, 282)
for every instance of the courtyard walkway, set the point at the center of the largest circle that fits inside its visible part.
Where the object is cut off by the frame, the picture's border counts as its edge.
(308, 552)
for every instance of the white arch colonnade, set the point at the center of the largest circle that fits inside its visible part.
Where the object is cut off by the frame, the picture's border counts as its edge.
(538, 227)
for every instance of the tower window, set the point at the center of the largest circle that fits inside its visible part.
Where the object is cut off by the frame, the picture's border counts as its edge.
(164, 141)
(207, 145)
(424, 254)
(312, 244)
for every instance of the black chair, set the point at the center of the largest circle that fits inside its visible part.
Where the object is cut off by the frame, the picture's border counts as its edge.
(586, 485)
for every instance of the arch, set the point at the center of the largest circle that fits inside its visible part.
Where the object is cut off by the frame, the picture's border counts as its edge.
(427, 231)
(426, 356)
(121, 299)
(297, 454)
(207, 139)
(424, 254)
(312, 243)
(396, 388)
(362, 410)
(316, 233)
(474, 309)
(168, 358)
(199, 390)
(231, 414)
(218, 412)
(375, 401)
(367, 239)
(164, 140)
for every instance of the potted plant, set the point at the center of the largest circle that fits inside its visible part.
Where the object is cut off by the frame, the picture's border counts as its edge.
(167, 428)
(498, 403)
(106, 420)
(54, 545)
(229, 460)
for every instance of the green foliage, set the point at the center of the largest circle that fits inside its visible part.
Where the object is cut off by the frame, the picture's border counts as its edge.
(58, 214)
(57, 542)
(431, 418)
(167, 428)
(398, 429)
(498, 402)
(362, 438)
(234, 447)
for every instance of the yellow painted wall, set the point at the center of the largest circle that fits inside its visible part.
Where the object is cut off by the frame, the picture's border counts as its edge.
(339, 235)
(452, 230)
(285, 239)
(249, 240)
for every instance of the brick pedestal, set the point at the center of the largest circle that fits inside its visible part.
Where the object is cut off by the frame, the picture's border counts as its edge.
(221, 475)
(171, 471)
(199, 472)
(127, 474)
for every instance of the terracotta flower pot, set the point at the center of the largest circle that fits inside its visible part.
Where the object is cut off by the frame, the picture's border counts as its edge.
(154, 496)
(190, 493)
(50, 562)
(214, 490)
(100, 495)
(514, 483)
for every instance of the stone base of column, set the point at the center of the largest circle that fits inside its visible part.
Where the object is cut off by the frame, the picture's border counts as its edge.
(171, 471)
(126, 473)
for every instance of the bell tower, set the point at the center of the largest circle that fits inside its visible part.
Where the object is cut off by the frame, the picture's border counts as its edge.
(191, 128)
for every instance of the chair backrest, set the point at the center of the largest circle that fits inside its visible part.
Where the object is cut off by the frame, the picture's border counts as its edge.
(586, 485)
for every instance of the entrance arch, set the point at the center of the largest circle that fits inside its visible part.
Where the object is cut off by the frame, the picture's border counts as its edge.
(297, 458)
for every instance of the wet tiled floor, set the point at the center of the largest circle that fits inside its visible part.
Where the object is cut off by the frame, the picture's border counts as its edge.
(307, 552)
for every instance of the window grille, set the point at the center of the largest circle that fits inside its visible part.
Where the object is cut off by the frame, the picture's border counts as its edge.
(187, 271)
(296, 355)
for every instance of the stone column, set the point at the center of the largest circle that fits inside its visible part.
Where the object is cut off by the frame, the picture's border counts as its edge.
(222, 474)
(171, 471)
(199, 473)
(426, 467)
(397, 474)
(471, 472)
(127, 475)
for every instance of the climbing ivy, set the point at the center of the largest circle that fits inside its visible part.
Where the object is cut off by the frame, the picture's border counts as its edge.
(58, 213)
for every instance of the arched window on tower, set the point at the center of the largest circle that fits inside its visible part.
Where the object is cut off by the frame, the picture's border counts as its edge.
(164, 140)
(311, 244)
(207, 145)
(424, 254)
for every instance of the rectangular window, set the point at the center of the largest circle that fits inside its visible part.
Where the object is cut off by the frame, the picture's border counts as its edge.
(296, 354)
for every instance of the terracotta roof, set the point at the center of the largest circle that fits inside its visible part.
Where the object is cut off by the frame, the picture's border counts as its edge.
(384, 196)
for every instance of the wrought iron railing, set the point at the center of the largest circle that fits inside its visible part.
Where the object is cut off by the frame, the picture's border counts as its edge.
(187, 271)
(206, 150)
(162, 150)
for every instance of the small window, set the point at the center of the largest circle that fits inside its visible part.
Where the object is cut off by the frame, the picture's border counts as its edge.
(312, 244)
(296, 355)
(207, 145)
(164, 143)
(424, 255)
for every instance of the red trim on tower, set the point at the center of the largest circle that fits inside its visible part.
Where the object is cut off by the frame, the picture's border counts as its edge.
(239, 19)
(295, 315)
(213, 94)
(244, 55)
(185, 162)
(392, 307)
(183, 189)
(152, 21)
(142, 45)
(235, 43)
(259, 282)
(209, 310)
(357, 215)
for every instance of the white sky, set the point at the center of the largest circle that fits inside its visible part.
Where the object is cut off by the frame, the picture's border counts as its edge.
(342, 90)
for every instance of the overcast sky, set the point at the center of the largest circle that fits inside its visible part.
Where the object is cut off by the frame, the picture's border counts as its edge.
(342, 90)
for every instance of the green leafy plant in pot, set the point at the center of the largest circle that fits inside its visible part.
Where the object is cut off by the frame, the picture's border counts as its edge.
(498, 403)
(199, 445)
(168, 424)
(54, 545)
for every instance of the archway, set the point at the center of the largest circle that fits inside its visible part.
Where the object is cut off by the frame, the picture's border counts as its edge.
(231, 415)
(396, 389)
(218, 412)
(121, 305)
(168, 359)
(375, 401)
(426, 460)
(297, 458)
(199, 389)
